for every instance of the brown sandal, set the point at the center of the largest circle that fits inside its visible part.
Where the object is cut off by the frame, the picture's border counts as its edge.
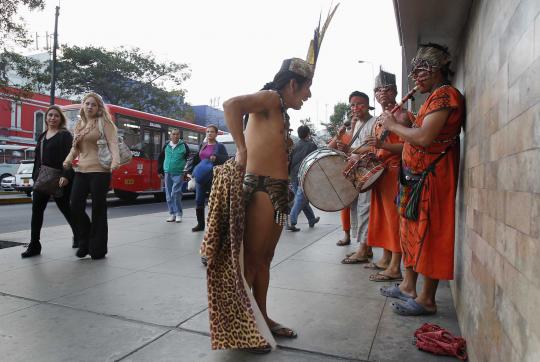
(349, 260)
(384, 278)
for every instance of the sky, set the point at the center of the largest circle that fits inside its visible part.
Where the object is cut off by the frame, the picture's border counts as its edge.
(234, 47)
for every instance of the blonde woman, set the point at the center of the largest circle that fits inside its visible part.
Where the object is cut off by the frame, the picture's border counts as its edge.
(52, 147)
(90, 176)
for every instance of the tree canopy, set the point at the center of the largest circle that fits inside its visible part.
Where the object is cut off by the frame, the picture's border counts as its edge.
(126, 77)
(13, 33)
(337, 118)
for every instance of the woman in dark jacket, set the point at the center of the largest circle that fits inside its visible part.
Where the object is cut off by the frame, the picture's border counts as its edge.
(211, 153)
(52, 147)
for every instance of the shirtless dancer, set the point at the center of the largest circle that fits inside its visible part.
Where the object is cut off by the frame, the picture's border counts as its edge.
(263, 150)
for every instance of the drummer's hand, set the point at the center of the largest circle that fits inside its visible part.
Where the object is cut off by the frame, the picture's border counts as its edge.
(374, 142)
(241, 158)
(341, 146)
(388, 121)
(353, 157)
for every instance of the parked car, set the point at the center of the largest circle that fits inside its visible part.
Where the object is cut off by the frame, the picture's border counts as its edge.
(23, 177)
(8, 183)
(229, 144)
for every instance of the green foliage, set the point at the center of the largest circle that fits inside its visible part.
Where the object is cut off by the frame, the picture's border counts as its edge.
(126, 77)
(13, 33)
(307, 122)
(337, 118)
(13, 30)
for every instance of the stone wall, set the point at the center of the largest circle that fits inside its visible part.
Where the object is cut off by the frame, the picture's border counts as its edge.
(497, 285)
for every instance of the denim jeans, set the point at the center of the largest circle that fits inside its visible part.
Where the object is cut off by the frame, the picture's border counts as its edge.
(300, 204)
(200, 193)
(173, 193)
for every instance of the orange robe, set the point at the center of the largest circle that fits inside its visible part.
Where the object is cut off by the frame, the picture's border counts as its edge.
(383, 228)
(428, 243)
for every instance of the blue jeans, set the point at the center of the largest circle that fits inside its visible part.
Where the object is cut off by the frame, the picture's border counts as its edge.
(173, 193)
(200, 193)
(300, 204)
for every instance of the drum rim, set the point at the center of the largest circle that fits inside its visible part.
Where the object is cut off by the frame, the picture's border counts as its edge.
(301, 179)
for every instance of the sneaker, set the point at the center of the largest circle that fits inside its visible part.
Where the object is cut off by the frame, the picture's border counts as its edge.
(178, 218)
(171, 218)
(316, 220)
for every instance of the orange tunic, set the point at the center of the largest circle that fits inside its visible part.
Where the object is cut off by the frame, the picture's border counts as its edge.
(383, 228)
(428, 243)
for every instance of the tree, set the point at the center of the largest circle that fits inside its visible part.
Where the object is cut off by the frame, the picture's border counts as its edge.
(13, 33)
(337, 118)
(307, 122)
(126, 77)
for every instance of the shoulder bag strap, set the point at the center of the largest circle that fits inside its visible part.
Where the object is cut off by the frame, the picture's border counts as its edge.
(41, 148)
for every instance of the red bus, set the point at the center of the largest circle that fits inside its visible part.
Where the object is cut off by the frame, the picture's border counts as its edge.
(145, 134)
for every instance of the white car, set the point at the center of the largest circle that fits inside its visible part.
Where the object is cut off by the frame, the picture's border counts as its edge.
(8, 183)
(23, 177)
(228, 142)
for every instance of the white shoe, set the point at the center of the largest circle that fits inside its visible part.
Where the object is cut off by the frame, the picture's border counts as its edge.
(171, 218)
(178, 218)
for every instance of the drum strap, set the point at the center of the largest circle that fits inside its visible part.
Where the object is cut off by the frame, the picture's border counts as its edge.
(357, 134)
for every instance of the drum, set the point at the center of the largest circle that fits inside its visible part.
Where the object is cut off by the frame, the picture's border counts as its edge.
(322, 180)
(364, 173)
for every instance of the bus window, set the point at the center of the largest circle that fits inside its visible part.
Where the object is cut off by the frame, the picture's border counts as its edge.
(157, 144)
(14, 156)
(130, 130)
(191, 137)
(30, 153)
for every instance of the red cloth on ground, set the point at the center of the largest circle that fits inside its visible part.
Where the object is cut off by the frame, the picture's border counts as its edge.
(432, 338)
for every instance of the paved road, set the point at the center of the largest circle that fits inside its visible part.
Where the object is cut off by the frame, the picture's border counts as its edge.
(17, 217)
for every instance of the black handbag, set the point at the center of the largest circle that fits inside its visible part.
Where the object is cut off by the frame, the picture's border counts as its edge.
(48, 178)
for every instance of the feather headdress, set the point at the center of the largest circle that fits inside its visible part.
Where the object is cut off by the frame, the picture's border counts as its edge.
(318, 36)
(306, 67)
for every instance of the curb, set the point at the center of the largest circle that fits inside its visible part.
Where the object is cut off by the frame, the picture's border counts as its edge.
(19, 200)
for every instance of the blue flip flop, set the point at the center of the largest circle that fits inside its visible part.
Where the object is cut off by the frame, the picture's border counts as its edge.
(411, 308)
(394, 292)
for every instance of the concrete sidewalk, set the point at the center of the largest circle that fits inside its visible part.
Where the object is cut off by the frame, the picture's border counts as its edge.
(147, 300)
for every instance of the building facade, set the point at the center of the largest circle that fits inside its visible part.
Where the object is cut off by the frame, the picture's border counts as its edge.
(496, 44)
(23, 119)
(205, 115)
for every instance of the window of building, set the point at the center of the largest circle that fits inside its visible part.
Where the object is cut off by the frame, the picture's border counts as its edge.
(39, 124)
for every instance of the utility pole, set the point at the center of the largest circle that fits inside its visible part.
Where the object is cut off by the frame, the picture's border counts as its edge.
(55, 45)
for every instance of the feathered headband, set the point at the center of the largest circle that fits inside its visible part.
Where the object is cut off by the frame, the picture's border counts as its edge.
(306, 68)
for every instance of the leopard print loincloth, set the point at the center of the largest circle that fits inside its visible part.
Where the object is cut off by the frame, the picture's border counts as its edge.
(231, 314)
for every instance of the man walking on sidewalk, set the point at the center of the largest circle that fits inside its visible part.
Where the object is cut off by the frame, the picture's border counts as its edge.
(302, 148)
(171, 163)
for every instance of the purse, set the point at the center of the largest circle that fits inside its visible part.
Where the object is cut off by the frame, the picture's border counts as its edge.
(48, 178)
(410, 188)
(104, 154)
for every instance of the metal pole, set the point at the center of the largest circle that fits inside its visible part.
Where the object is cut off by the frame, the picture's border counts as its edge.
(53, 65)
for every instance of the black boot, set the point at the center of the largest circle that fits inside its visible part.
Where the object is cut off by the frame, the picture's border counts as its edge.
(34, 248)
(200, 219)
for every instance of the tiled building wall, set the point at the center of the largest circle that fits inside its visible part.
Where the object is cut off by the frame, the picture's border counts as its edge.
(497, 285)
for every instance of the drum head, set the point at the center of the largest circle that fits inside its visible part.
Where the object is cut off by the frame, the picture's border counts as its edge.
(324, 184)
(370, 182)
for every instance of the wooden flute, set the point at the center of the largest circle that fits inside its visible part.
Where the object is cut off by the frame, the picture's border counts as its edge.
(394, 110)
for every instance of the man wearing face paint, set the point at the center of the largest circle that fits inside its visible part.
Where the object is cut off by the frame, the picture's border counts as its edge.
(428, 182)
